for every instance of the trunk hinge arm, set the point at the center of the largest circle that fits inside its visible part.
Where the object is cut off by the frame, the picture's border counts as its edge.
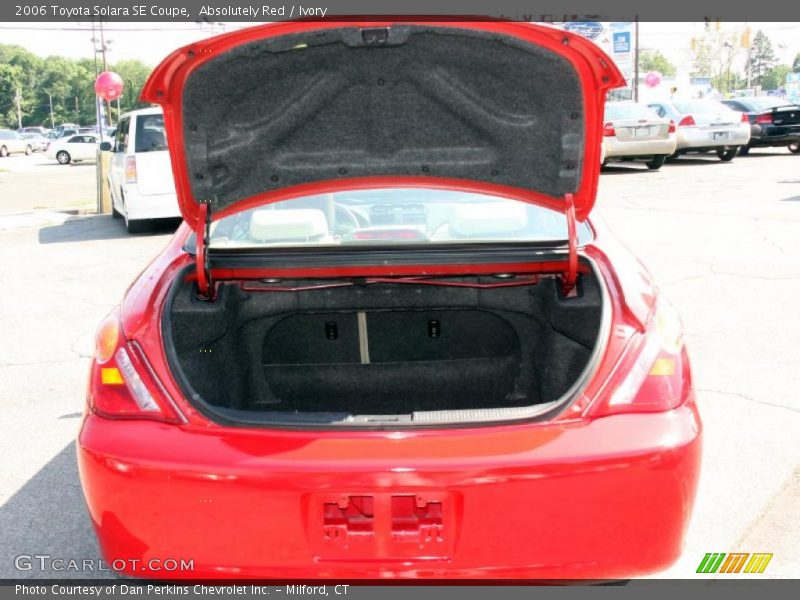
(570, 276)
(202, 262)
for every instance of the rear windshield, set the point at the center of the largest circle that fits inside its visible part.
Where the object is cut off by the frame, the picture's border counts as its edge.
(759, 104)
(629, 111)
(699, 106)
(150, 135)
(391, 216)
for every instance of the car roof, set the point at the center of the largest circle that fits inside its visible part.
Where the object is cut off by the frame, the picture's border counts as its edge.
(153, 110)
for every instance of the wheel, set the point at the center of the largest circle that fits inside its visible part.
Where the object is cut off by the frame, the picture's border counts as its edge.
(794, 148)
(3, 151)
(28, 150)
(673, 157)
(655, 163)
(744, 150)
(727, 155)
(63, 157)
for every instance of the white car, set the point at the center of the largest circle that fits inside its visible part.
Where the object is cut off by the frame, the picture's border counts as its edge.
(634, 132)
(76, 148)
(140, 178)
(706, 126)
(12, 142)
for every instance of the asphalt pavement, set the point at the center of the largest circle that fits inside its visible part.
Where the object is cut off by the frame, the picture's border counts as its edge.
(721, 239)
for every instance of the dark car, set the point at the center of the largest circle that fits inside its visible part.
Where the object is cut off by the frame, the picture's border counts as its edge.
(773, 122)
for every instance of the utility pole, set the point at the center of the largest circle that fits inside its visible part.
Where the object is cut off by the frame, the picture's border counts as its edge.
(52, 119)
(19, 109)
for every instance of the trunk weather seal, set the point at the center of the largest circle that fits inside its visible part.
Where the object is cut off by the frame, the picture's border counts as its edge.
(304, 421)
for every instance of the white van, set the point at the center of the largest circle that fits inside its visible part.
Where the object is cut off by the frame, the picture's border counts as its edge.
(140, 177)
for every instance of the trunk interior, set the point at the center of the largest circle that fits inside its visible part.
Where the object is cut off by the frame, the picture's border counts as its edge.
(381, 348)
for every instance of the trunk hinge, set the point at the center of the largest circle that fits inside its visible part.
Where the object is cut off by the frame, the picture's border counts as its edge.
(205, 289)
(570, 276)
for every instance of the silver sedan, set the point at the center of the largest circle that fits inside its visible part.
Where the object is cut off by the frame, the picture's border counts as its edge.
(705, 126)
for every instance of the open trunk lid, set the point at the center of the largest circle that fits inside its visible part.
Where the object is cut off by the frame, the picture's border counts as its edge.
(290, 109)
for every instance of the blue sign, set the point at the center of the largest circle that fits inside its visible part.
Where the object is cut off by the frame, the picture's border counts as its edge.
(622, 42)
(588, 29)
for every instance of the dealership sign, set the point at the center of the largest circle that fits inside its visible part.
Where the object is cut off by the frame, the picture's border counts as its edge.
(588, 29)
(622, 42)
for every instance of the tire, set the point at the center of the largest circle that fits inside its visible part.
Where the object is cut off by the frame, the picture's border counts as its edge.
(744, 150)
(63, 157)
(3, 151)
(794, 148)
(28, 150)
(727, 155)
(655, 163)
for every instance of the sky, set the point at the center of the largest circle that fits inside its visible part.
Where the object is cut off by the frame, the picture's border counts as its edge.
(150, 42)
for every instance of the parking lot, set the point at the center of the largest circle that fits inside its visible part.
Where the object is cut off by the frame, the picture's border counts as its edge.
(721, 239)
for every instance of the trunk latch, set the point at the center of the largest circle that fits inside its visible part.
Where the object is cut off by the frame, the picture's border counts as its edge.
(570, 275)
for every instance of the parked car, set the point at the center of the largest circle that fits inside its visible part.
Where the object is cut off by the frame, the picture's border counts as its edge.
(36, 130)
(705, 126)
(482, 384)
(38, 142)
(140, 178)
(12, 142)
(773, 122)
(634, 132)
(76, 148)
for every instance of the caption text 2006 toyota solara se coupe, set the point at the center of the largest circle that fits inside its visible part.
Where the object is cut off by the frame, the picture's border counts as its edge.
(387, 340)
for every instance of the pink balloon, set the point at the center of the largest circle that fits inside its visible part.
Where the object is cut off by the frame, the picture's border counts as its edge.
(652, 79)
(108, 85)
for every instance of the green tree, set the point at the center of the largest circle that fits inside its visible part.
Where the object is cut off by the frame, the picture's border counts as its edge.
(68, 82)
(653, 60)
(760, 59)
(134, 74)
(776, 77)
(796, 64)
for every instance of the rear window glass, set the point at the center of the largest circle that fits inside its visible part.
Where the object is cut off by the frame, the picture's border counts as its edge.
(759, 104)
(418, 217)
(150, 134)
(700, 106)
(629, 111)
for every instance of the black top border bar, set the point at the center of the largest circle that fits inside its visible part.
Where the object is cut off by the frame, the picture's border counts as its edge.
(184, 11)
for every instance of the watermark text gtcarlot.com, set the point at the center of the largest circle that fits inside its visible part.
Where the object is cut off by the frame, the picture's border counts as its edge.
(46, 562)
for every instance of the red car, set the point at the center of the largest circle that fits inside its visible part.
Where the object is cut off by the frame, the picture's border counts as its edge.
(387, 340)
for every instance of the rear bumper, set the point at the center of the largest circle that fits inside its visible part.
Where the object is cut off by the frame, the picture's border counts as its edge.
(605, 499)
(616, 148)
(150, 206)
(774, 135)
(694, 138)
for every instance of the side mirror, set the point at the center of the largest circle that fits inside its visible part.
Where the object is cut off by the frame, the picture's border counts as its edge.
(105, 147)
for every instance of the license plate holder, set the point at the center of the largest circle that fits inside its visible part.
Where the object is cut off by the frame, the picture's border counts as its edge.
(381, 526)
(720, 135)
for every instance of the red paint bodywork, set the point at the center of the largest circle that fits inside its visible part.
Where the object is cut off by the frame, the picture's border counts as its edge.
(574, 497)
(578, 496)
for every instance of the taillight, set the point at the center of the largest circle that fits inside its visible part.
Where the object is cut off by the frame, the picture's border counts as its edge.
(765, 119)
(130, 169)
(671, 127)
(687, 121)
(608, 130)
(653, 375)
(122, 384)
(745, 118)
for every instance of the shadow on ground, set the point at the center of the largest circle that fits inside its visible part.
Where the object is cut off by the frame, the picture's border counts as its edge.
(99, 227)
(47, 516)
